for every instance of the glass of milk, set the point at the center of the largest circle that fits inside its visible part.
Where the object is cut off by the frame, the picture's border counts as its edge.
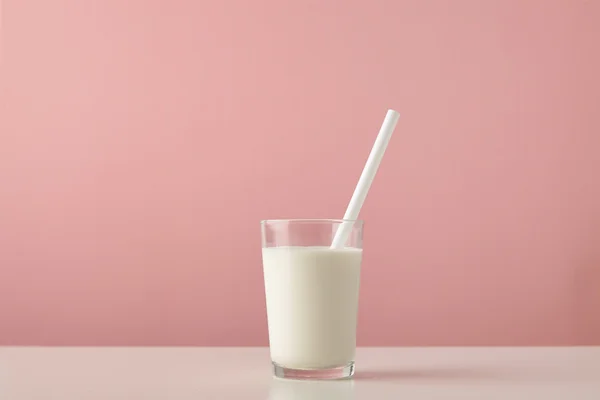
(312, 297)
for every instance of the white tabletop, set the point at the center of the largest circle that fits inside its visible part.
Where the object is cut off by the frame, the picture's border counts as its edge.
(245, 373)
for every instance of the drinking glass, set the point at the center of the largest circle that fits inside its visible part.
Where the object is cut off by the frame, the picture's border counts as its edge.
(312, 296)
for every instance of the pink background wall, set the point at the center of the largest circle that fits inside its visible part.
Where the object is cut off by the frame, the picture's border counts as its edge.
(141, 142)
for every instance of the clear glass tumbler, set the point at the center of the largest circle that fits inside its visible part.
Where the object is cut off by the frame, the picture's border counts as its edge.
(312, 296)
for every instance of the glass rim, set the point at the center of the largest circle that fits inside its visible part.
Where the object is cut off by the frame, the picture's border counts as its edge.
(330, 220)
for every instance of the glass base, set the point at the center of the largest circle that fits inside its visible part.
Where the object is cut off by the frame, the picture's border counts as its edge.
(329, 373)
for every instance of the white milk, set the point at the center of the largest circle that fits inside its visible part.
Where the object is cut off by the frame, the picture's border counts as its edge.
(312, 304)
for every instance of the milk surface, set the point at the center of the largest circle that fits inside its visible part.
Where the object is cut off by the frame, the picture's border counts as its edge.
(312, 304)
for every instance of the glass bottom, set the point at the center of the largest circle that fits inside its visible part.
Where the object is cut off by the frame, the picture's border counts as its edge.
(343, 372)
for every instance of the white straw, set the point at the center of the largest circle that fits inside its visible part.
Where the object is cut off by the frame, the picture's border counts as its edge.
(366, 178)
